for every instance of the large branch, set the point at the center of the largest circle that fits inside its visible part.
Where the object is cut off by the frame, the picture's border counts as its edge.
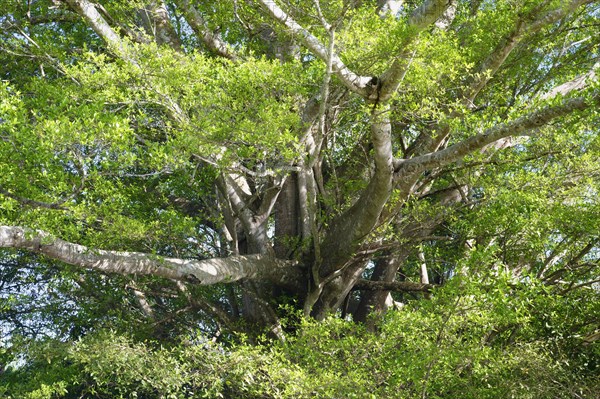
(204, 272)
(524, 25)
(519, 127)
(157, 22)
(503, 49)
(577, 83)
(427, 13)
(421, 18)
(356, 83)
(88, 11)
(200, 27)
(348, 230)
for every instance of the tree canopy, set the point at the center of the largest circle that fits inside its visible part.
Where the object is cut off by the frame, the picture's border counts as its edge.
(410, 187)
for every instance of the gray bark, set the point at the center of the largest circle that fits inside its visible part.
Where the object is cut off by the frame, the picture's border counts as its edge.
(421, 18)
(156, 21)
(211, 39)
(385, 271)
(88, 11)
(287, 218)
(203, 272)
(349, 229)
(524, 125)
(522, 28)
(351, 80)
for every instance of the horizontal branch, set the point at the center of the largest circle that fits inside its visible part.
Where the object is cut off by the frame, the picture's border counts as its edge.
(52, 18)
(399, 286)
(203, 272)
(32, 203)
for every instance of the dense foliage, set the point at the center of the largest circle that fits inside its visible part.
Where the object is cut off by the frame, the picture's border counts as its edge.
(274, 199)
(470, 341)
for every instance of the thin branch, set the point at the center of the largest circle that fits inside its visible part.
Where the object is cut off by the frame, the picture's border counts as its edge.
(210, 308)
(33, 203)
(52, 18)
(584, 251)
(397, 286)
(580, 285)
(420, 19)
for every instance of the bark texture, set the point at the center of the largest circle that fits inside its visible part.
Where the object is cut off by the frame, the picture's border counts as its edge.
(203, 272)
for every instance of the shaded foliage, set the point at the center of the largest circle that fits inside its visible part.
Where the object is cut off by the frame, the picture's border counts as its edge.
(471, 340)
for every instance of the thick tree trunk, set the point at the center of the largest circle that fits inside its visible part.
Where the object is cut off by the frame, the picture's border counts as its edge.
(287, 219)
(374, 302)
(337, 272)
